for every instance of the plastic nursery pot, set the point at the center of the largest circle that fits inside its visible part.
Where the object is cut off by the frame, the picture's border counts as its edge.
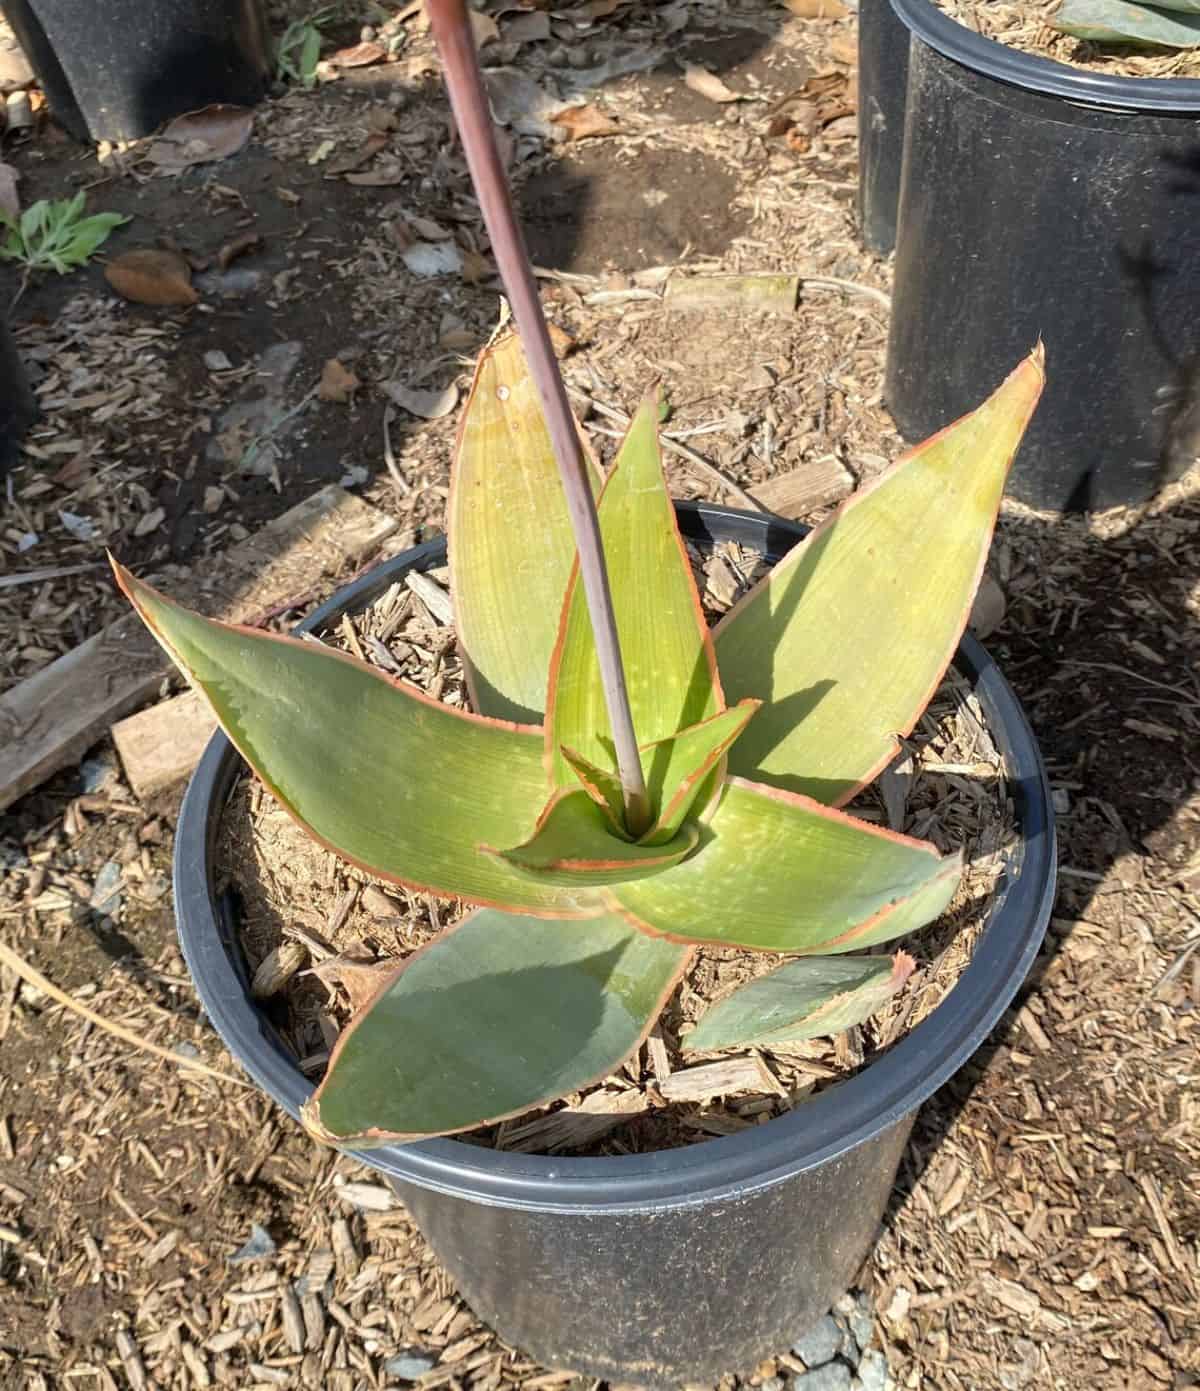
(1041, 200)
(675, 1267)
(117, 69)
(18, 408)
(882, 79)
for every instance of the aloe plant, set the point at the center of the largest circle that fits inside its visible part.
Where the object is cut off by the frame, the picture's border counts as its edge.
(628, 784)
(1165, 24)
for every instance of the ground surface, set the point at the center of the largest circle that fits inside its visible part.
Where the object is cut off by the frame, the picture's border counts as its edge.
(1046, 1226)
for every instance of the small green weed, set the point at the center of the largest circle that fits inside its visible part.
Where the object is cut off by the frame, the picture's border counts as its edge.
(55, 235)
(299, 50)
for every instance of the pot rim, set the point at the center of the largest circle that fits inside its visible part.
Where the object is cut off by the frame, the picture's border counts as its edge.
(1167, 95)
(836, 1120)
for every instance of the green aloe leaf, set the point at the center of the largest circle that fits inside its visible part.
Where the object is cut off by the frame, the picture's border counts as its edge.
(391, 780)
(496, 1015)
(665, 646)
(813, 997)
(602, 786)
(779, 872)
(574, 843)
(847, 638)
(1114, 21)
(510, 538)
(676, 768)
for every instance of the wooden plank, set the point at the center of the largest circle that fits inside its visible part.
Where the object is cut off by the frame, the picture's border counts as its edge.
(803, 490)
(159, 746)
(52, 718)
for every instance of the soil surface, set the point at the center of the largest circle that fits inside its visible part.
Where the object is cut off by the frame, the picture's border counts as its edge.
(159, 1227)
(1028, 25)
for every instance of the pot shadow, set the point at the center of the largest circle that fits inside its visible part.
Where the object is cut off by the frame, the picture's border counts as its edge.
(1115, 691)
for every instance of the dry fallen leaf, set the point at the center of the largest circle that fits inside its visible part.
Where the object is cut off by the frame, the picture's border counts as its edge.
(476, 268)
(238, 246)
(708, 84)
(361, 55)
(843, 49)
(152, 277)
(387, 177)
(530, 26)
(429, 405)
(197, 137)
(10, 202)
(357, 158)
(584, 122)
(817, 9)
(337, 383)
(484, 28)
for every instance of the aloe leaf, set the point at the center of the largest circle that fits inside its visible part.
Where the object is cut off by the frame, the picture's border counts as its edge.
(574, 843)
(510, 539)
(676, 768)
(393, 781)
(670, 670)
(847, 638)
(601, 785)
(1114, 21)
(779, 872)
(496, 1015)
(812, 997)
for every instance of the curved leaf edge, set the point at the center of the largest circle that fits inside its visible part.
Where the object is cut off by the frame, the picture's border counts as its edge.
(131, 586)
(1035, 361)
(951, 866)
(310, 1110)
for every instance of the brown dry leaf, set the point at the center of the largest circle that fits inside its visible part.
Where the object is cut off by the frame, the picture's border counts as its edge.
(10, 202)
(531, 26)
(237, 246)
(484, 28)
(597, 9)
(357, 158)
(817, 9)
(361, 55)
(152, 277)
(708, 84)
(198, 137)
(428, 404)
(843, 49)
(387, 177)
(585, 122)
(476, 268)
(337, 383)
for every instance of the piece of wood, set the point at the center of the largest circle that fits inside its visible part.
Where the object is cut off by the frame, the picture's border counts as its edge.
(730, 294)
(806, 488)
(52, 718)
(724, 1078)
(159, 746)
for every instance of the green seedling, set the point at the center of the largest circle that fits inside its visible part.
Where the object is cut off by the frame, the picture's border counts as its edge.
(628, 784)
(299, 50)
(55, 235)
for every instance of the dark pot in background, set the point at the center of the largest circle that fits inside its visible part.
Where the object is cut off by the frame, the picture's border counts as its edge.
(1039, 200)
(882, 80)
(674, 1267)
(18, 407)
(117, 69)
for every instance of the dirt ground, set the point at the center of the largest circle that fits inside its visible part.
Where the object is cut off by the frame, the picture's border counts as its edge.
(1045, 1232)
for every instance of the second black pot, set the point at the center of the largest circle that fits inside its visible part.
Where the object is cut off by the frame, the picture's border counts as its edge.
(18, 406)
(659, 1269)
(1044, 201)
(117, 69)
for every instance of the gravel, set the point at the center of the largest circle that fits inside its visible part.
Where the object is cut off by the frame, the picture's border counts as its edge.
(821, 1343)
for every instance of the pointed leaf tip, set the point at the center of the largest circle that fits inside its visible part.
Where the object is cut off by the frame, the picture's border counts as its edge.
(813, 997)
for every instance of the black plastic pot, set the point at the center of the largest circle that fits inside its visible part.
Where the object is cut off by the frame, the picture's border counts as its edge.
(18, 408)
(882, 80)
(664, 1268)
(117, 69)
(1040, 200)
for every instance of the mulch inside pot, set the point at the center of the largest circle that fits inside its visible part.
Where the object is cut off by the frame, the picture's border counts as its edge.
(301, 908)
(1025, 25)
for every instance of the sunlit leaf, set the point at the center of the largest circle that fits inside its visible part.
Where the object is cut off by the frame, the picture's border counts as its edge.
(494, 1016)
(812, 997)
(391, 780)
(601, 785)
(510, 539)
(665, 646)
(575, 844)
(1115, 21)
(779, 872)
(676, 768)
(847, 638)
